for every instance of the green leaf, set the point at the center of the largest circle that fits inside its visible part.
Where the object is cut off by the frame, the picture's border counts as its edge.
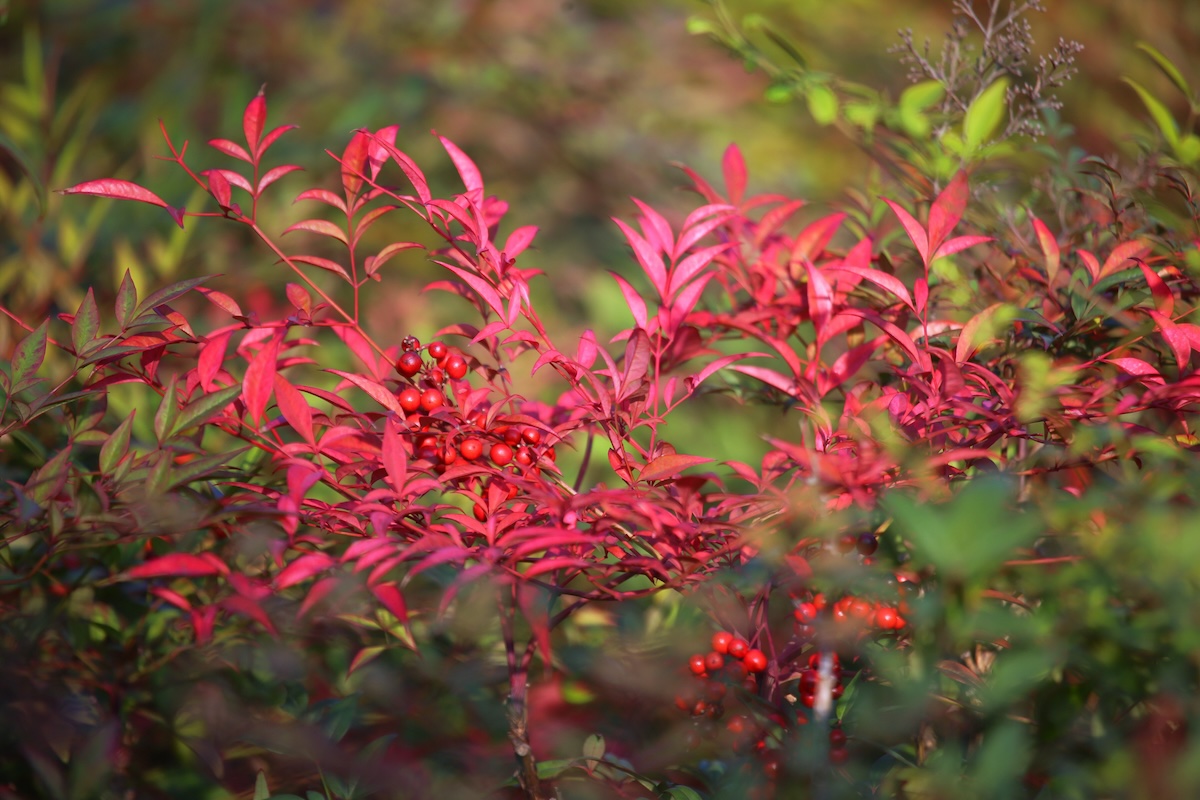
(167, 294)
(261, 790)
(28, 357)
(922, 96)
(126, 300)
(985, 114)
(204, 408)
(553, 768)
(822, 104)
(862, 115)
(593, 749)
(683, 793)
(779, 93)
(168, 411)
(1170, 70)
(25, 164)
(699, 26)
(1159, 112)
(1188, 149)
(117, 445)
(86, 324)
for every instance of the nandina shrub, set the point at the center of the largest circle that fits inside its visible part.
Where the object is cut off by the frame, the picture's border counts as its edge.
(380, 579)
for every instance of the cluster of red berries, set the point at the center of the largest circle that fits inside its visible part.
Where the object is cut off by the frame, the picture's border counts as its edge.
(849, 609)
(730, 662)
(443, 443)
(810, 678)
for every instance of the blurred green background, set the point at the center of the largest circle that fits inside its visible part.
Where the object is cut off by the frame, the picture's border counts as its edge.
(568, 106)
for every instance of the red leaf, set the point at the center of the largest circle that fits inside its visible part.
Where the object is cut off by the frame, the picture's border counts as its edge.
(686, 269)
(324, 196)
(734, 168)
(294, 407)
(656, 228)
(377, 154)
(377, 391)
(219, 187)
(947, 210)
(1122, 253)
(637, 362)
(253, 119)
(178, 565)
(1177, 340)
(820, 298)
(323, 263)
(651, 261)
(390, 597)
(270, 138)
(637, 306)
(117, 190)
(298, 296)
(485, 289)
(322, 227)
(669, 466)
(221, 301)
(231, 149)
(915, 232)
(259, 380)
(275, 174)
(811, 241)
(1164, 301)
(519, 240)
(245, 607)
(889, 282)
(395, 458)
(303, 568)
(465, 166)
(1133, 366)
(958, 244)
(966, 346)
(1049, 247)
(354, 162)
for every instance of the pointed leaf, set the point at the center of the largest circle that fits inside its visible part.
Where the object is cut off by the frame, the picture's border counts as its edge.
(321, 227)
(204, 408)
(958, 244)
(86, 324)
(377, 391)
(254, 118)
(916, 233)
(985, 114)
(260, 380)
(465, 166)
(303, 568)
(1169, 69)
(354, 162)
(1050, 250)
(1158, 111)
(734, 168)
(28, 356)
(669, 466)
(294, 407)
(177, 565)
(947, 209)
(117, 190)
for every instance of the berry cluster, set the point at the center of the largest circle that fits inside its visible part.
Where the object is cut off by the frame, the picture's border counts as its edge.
(504, 444)
(731, 661)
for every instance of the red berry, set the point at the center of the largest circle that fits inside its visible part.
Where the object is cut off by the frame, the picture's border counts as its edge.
(885, 618)
(838, 755)
(456, 367)
(737, 725)
(847, 543)
(837, 738)
(512, 437)
(714, 661)
(755, 661)
(532, 436)
(550, 454)
(501, 454)
(524, 456)
(860, 609)
(715, 690)
(736, 671)
(738, 648)
(805, 612)
(721, 640)
(808, 681)
(808, 699)
(819, 601)
(410, 343)
(470, 449)
(410, 399)
(409, 364)
(438, 350)
(867, 544)
(431, 399)
(695, 663)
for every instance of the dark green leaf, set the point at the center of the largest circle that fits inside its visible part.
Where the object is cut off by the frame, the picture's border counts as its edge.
(28, 356)
(117, 445)
(87, 322)
(168, 411)
(204, 408)
(167, 294)
(126, 300)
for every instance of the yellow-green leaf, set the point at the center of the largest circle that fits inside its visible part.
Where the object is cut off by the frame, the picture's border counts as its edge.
(822, 104)
(1161, 114)
(985, 114)
(1170, 70)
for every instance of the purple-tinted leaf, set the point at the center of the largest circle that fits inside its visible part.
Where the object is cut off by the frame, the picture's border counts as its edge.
(126, 301)
(167, 294)
(299, 298)
(637, 361)
(203, 408)
(86, 324)
(28, 356)
(116, 446)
